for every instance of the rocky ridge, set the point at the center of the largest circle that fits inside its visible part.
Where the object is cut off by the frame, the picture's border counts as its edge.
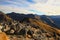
(28, 29)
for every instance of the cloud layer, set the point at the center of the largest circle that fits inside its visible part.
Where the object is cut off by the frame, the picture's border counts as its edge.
(46, 7)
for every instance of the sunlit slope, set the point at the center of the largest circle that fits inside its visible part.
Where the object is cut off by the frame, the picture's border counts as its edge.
(3, 36)
(45, 27)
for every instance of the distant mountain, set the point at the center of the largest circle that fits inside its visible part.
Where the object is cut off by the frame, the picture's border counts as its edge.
(50, 20)
(56, 20)
(19, 17)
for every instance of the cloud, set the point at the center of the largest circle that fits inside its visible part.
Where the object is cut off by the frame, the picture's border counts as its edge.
(8, 9)
(19, 3)
(37, 12)
(41, 1)
(47, 7)
(56, 2)
(31, 1)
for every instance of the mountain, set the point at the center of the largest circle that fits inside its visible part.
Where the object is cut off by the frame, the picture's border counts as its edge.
(56, 20)
(29, 27)
(49, 20)
(19, 17)
(43, 18)
(4, 17)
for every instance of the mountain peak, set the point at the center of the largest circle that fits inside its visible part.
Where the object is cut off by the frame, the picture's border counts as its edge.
(1, 12)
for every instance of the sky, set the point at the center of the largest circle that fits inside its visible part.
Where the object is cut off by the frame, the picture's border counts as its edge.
(40, 7)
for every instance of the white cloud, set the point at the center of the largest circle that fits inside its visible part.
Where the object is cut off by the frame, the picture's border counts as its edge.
(41, 1)
(49, 7)
(8, 9)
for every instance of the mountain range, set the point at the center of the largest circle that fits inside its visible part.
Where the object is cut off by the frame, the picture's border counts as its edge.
(30, 24)
(50, 20)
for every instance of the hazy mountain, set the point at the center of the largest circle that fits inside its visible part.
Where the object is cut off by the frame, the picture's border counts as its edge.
(56, 20)
(50, 20)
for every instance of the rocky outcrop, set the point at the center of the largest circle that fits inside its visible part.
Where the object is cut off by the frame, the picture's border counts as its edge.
(33, 30)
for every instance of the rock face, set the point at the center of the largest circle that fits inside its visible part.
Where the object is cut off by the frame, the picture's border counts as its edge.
(27, 28)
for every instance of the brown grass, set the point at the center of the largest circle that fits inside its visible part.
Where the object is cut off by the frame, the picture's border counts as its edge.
(45, 26)
(3, 36)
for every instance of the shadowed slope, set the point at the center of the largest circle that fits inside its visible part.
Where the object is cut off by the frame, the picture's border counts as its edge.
(4, 17)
